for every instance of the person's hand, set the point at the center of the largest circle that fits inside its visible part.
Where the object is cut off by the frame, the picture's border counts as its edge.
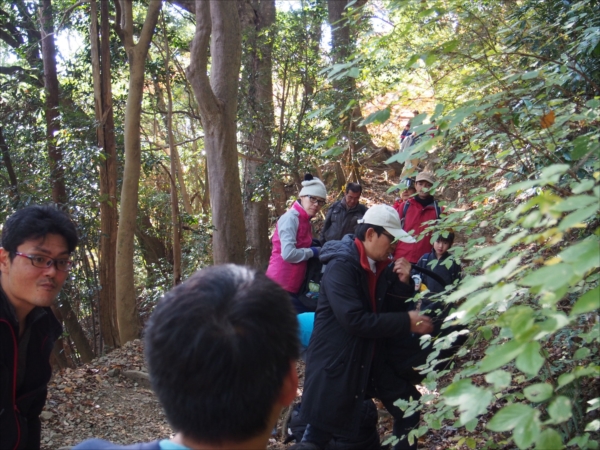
(402, 268)
(316, 251)
(420, 324)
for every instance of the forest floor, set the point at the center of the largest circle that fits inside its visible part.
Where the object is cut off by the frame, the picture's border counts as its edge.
(110, 398)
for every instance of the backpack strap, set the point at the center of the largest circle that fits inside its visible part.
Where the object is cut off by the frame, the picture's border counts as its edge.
(403, 218)
(438, 210)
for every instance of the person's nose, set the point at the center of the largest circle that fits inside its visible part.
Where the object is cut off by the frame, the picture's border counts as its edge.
(51, 270)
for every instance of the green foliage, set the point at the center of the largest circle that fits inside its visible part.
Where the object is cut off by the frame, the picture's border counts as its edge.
(518, 92)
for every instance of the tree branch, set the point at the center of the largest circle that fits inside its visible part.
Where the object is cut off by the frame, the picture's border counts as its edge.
(149, 23)
(197, 70)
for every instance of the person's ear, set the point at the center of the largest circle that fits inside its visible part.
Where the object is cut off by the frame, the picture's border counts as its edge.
(289, 388)
(370, 234)
(4, 259)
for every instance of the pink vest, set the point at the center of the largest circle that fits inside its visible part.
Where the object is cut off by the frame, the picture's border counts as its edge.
(290, 275)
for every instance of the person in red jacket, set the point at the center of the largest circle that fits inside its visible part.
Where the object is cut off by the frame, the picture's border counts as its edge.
(414, 213)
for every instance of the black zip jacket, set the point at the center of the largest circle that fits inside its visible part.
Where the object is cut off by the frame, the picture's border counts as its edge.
(20, 408)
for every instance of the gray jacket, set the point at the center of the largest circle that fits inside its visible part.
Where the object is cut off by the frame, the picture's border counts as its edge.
(340, 221)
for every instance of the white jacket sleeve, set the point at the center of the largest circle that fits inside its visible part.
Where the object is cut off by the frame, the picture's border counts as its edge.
(287, 227)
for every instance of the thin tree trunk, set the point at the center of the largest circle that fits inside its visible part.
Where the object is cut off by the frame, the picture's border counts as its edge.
(12, 177)
(176, 225)
(108, 176)
(75, 331)
(57, 177)
(162, 107)
(260, 116)
(127, 311)
(217, 99)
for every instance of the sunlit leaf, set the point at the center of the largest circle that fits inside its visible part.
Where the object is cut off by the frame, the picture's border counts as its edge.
(560, 409)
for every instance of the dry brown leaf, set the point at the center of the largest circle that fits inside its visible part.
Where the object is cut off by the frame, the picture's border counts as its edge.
(548, 119)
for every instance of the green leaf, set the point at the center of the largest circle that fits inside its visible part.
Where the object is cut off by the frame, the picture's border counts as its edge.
(530, 75)
(593, 426)
(560, 409)
(538, 392)
(471, 425)
(565, 379)
(581, 353)
(335, 151)
(471, 400)
(530, 361)
(499, 378)
(584, 186)
(577, 219)
(583, 256)
(575, 202)
(528, 431)
(377, 117)
(582, 145)
(354, 72)
(500, 355)
(551, 277)
(509, 417)
(549, 439)
(587, 302)
(594, 404)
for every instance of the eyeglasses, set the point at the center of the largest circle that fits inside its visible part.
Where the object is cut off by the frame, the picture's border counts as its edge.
(44, 262)
(389, 236)
(316, 200)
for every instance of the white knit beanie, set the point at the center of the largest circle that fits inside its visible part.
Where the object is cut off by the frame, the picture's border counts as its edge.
(313, 186)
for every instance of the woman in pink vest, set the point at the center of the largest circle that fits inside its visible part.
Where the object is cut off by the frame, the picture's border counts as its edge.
(293, 239)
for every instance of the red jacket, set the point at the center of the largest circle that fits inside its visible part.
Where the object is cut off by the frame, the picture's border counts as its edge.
(416, 216)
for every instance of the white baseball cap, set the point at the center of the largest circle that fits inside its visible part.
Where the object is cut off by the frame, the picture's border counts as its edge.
(387, 217)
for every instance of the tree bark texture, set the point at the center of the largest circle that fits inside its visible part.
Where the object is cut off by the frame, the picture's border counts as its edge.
(341, 48)
(105, 132)
(75, 331)
(217, 100)
(258, 129)
(175, 169)
(57, 177)
(136, 54)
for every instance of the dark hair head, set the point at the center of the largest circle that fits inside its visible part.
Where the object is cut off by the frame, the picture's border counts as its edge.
(354, 187)
(411, 189)
(448, 239)
(218, 348)
(308, 177)
(35, 222)
(361, 230)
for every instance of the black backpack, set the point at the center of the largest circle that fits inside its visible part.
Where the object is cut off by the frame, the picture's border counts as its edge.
(314, 272)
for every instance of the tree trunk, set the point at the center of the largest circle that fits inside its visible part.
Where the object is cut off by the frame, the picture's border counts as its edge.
(108, 176)
(163, 109)
(13, 190)
(75, 331)
(217, 99)
(127, 312)
(341, 48)
(258, 129)
(57, 177)
(175, 168)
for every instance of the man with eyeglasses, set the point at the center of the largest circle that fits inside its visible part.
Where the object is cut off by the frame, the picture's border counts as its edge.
(364, 310)
(36, 245)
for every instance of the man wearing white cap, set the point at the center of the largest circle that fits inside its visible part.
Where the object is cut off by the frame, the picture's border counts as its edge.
(414, 214)
(364, 305)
